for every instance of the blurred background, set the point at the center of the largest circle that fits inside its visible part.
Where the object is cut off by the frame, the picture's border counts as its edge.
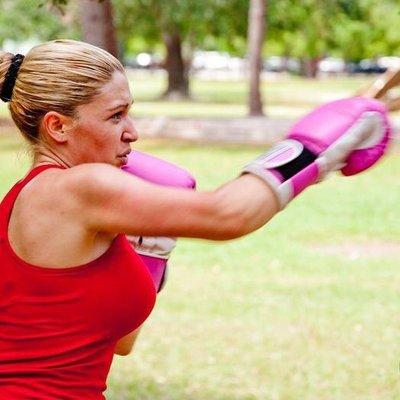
(308, 306)
(222, 58)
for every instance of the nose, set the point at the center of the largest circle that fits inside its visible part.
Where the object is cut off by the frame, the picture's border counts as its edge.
(130, 133)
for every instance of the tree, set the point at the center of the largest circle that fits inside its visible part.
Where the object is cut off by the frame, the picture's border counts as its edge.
(256, 33)
(158, 21)
(373, 29)
(98, 24)
(353, 30)
(95, 19)
(177, 68)
(180, 26)
(42, 22)
(304, 29)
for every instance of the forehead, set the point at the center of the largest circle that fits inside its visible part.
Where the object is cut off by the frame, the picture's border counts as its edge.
(114, 92)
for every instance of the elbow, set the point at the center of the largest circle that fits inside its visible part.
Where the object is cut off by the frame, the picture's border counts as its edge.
(125, 345)
(123, 349)
(235, 226)
(123, 352)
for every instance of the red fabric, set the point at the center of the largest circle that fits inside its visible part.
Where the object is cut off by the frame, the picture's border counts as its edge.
(59, 327)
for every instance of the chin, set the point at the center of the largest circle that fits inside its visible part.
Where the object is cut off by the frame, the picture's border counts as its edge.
(121, 161)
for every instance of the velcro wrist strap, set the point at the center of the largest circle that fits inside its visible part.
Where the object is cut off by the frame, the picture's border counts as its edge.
(297, 164)
(285, 159)
(279, 165)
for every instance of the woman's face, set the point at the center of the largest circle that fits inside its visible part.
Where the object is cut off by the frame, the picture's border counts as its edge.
(103, 130)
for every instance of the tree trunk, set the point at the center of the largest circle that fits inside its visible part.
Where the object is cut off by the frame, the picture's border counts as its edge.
(309, 67)
(178, 81)
(98, 24)
(255, 38)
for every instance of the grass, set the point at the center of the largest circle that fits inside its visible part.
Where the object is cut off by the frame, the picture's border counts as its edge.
(286, 313)
(284, 96)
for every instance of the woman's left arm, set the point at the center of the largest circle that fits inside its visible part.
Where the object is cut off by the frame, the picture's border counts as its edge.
(125, 345)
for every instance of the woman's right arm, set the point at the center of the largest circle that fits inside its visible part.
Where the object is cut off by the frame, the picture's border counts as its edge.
(349, 135)
(113, 201)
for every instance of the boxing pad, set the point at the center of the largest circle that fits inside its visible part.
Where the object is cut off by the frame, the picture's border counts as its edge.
(155, 251)
(349, 135)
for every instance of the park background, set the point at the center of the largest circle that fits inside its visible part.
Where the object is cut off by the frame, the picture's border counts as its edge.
(308, 306)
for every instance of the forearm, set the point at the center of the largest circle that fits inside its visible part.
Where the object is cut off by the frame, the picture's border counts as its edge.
(350, 135)
(109, 195)
(245, 204)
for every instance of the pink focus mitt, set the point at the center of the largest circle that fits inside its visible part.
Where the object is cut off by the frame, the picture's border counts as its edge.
(155, 251)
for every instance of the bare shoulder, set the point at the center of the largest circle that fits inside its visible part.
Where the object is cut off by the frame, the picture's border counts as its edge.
(71, 182)
(85, 177)
(97, 183)
(68, 190)
(57, 220)
(100, 192)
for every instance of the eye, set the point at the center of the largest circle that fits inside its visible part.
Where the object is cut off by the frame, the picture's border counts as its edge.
(117, 116)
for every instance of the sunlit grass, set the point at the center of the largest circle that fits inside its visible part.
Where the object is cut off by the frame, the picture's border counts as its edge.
(284, 96)
(302, 309)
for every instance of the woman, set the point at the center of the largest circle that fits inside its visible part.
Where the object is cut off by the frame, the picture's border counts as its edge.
(71, 287)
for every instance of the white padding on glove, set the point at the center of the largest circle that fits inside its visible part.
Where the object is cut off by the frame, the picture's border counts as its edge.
(159, 246)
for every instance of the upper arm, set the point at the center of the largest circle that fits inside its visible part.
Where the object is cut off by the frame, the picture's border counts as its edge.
(125, 344)
(114, 201)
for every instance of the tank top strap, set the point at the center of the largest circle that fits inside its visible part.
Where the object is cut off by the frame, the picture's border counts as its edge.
(7, 203)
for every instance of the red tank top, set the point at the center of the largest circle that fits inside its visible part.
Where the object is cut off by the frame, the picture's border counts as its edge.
(59, 327)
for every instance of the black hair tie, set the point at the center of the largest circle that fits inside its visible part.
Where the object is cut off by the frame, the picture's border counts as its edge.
(10, 78)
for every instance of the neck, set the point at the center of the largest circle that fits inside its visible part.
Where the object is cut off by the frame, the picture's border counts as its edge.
(48, 156)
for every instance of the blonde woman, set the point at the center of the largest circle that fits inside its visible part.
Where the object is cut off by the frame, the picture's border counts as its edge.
(72, 290)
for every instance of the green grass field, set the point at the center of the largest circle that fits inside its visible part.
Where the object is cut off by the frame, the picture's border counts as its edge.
(284, 96)
(306, 308)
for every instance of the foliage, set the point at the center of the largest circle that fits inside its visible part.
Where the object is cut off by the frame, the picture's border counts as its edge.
(23, 19)
(352, 29)
(205, 24)
(366, 29)
(384, 17)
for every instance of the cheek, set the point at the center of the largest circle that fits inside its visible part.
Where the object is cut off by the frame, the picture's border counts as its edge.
(97, 139)
(103, 139)
(97, 136)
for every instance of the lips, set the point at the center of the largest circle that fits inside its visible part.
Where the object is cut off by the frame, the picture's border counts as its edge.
(125, 154)
(123, 157)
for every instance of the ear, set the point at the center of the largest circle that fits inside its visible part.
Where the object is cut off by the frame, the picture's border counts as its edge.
(55, 126)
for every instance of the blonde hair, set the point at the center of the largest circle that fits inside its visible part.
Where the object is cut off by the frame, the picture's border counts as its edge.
(56, 76)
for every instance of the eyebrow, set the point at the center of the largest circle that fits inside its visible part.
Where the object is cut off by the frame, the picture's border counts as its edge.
(124, 105)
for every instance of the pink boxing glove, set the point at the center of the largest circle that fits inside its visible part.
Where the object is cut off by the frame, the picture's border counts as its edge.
(348, 135)
(155, 251)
